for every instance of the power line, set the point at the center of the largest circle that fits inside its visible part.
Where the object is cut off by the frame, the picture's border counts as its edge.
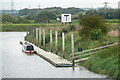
(105, 4)
(39, 6)
(12, 5)
(29, 6)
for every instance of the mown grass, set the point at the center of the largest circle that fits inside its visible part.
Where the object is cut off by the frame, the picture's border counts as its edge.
(112, 20)
(113, 24)
(74, 22)
(36, 24)
(20, 27)
(17, 27)
(104, 62)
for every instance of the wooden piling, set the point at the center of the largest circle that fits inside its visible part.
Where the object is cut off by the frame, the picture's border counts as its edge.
(72, 44)
(56, 42)
(43, 37)
(51, 40)
(40, 38)
(36, 34)
(63, 45)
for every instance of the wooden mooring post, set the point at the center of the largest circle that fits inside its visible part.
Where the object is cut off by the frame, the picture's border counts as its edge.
(56, 42)
(36, 34)
(63, 45)
(43, 37)
(72, 43)
(40, 38)
(51, 40)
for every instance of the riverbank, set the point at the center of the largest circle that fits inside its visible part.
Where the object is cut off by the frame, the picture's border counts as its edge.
(16, 28)
(85, 43)
(104, 62)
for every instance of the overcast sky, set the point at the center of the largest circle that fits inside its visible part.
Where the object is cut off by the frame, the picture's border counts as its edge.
(20, 4)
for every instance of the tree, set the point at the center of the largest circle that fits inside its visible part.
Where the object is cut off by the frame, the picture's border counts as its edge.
(44, 16)
(29, 16)
(106, 13)
(24, 11)
(93, 26)
(8, 19)
(22, 20)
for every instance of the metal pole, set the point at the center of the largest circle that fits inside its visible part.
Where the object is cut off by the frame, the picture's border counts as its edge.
(63, 45)
(72, 43)
(51, 40)
(56, 42)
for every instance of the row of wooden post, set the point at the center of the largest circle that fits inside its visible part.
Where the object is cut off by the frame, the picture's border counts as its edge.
(40, 32)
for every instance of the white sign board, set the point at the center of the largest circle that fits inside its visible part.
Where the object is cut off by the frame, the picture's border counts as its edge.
(65, 18)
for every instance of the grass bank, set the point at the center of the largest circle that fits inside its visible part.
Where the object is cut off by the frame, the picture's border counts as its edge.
(21, 27)
(104, 62)
(85, 43)
(17, 27)
(99, 63)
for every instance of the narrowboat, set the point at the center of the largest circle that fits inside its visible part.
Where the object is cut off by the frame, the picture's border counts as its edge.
(28, 48)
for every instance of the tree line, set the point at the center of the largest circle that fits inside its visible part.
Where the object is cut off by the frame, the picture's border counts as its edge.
(106, 13)
(47, 14)
(7, 19)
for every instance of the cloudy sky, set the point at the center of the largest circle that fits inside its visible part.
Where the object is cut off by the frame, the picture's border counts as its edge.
(20, 4)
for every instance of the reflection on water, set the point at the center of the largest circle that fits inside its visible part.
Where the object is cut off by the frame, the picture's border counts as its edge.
(17, 64)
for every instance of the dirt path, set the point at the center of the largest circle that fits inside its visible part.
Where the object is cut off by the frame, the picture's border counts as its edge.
(113, 33)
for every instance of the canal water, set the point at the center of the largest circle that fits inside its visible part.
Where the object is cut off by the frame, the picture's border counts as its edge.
(0, 55)
(16, 64)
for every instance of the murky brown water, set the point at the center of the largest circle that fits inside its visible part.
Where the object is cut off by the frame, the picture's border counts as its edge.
(16, 64)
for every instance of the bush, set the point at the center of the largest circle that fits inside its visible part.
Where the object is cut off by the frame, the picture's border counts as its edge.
(7, 19)
(65, 30)
(71, 28)
(44, 17)
(95, 34)
(22, 20)
(93, 26)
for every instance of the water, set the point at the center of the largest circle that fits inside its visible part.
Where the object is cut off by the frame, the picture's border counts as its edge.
(0, 56)
(16, 64)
